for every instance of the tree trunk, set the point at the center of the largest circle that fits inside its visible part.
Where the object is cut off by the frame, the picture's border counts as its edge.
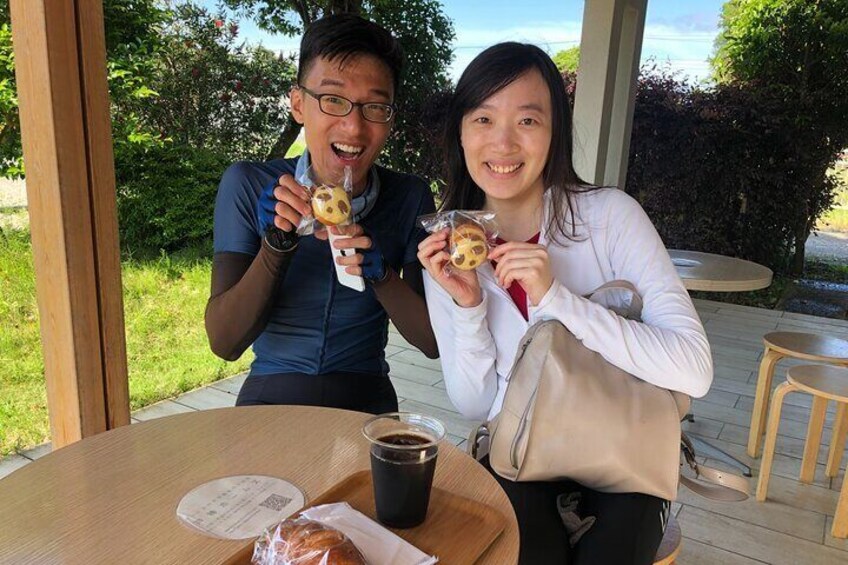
(287, 137)
(796, 268)
(803, 226)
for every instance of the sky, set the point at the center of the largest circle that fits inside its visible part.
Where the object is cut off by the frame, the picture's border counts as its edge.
(678, 33)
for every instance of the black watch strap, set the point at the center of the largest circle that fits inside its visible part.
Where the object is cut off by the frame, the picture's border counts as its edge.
(280, 240)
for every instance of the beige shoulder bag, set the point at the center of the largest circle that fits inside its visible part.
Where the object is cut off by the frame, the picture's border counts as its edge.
(570, 414)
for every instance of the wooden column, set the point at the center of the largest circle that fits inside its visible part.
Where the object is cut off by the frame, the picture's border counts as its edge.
(64, 105)
(610, 49)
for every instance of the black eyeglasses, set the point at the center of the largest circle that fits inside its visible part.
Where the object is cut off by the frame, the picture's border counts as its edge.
(335, 105)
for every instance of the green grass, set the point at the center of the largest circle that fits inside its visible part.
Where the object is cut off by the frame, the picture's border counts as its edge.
(836, 219)
(167, 351)
(830, 271)
(23, 398)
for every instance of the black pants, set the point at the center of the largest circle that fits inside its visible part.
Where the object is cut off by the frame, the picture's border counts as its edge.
(350, 391)
(627, 531)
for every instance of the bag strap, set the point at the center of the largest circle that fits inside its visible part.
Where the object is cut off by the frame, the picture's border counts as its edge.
(634, 311)
(478, 441)
(709, 482)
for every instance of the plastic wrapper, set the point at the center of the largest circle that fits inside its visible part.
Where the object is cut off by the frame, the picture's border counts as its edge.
(375, 544)
(302, 541)
(331, 202)
(472, 235)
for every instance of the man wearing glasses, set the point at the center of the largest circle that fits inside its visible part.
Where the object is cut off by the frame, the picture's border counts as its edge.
(317, 342)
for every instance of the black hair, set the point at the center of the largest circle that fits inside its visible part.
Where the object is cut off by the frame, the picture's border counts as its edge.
(491, 71)
(343, 36)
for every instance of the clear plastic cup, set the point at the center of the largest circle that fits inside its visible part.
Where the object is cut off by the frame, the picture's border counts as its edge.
(404, 447)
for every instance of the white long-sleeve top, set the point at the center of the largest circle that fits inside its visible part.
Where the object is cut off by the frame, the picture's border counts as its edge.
(668, 348)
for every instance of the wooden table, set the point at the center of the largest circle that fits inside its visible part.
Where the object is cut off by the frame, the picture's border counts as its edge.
(112, 498)
(718, 273)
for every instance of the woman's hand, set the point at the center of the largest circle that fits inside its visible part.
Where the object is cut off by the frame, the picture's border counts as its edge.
(462, 286)
(527, 263)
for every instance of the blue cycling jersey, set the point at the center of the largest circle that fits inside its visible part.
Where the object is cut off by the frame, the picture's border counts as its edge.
(317, 325)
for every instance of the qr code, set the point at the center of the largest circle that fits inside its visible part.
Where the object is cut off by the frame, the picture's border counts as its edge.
(276, 502)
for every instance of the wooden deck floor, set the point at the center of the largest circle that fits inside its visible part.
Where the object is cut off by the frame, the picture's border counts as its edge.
(793, 527)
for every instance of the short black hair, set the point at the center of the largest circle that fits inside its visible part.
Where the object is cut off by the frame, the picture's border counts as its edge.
(490, 72)
(342, 36)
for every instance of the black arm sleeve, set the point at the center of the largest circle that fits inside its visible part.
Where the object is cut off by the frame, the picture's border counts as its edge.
(242, 296)
(403, 299)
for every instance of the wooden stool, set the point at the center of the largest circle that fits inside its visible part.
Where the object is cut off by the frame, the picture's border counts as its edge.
(825, 383)
(811, 347)
(670, 544)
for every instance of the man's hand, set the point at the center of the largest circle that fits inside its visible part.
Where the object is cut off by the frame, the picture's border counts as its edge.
(527, 263)
(282, 204)
(366, 261)
(462, 286)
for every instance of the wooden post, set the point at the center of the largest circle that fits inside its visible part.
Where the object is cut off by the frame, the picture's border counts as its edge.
(60, 62)
(610, 49)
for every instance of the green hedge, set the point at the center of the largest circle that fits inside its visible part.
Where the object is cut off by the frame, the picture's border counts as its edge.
(729, 170)
(166, 196)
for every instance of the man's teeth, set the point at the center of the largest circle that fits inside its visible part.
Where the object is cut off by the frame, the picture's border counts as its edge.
(504, 170)
(348, 148)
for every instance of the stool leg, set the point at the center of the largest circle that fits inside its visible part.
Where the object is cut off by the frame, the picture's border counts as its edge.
(771, 438)
(840, 519)
(760, 412)
(837, 442)
(814, 432)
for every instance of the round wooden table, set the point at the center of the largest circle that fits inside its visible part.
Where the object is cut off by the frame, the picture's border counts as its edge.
(112, 498)
(718, 273)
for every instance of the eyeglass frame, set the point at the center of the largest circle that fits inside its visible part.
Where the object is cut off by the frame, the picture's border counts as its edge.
(353, 105)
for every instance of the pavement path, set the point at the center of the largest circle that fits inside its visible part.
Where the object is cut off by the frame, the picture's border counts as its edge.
(832, 246)
(12, 193)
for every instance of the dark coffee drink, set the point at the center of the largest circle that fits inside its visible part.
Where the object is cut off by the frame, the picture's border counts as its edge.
(403, 476)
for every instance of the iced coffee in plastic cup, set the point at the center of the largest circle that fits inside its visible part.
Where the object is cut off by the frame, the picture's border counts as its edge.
(404, 447)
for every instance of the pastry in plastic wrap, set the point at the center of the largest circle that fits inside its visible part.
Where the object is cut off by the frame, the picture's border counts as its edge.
(468, 246)
(305, 542)
(331, 205)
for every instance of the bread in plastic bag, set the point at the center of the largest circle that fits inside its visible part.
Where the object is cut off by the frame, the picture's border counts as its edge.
(471, 237)
(331, 202)
(301, 541)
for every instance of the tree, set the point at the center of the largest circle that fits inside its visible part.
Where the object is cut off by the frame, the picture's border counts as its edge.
(11, 161)
(132, 36)
(796, 53)
(567, 60)
(422, 29)
(210, 99)
(212, 90)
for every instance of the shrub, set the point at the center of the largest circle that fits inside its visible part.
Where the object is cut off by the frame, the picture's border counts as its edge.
(166, 195)
(724, 170)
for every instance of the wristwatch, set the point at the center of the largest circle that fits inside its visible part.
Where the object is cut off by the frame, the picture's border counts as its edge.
(282, 241)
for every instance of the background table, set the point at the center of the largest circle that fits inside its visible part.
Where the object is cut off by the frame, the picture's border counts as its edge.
(112, 498)
(718, 273)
